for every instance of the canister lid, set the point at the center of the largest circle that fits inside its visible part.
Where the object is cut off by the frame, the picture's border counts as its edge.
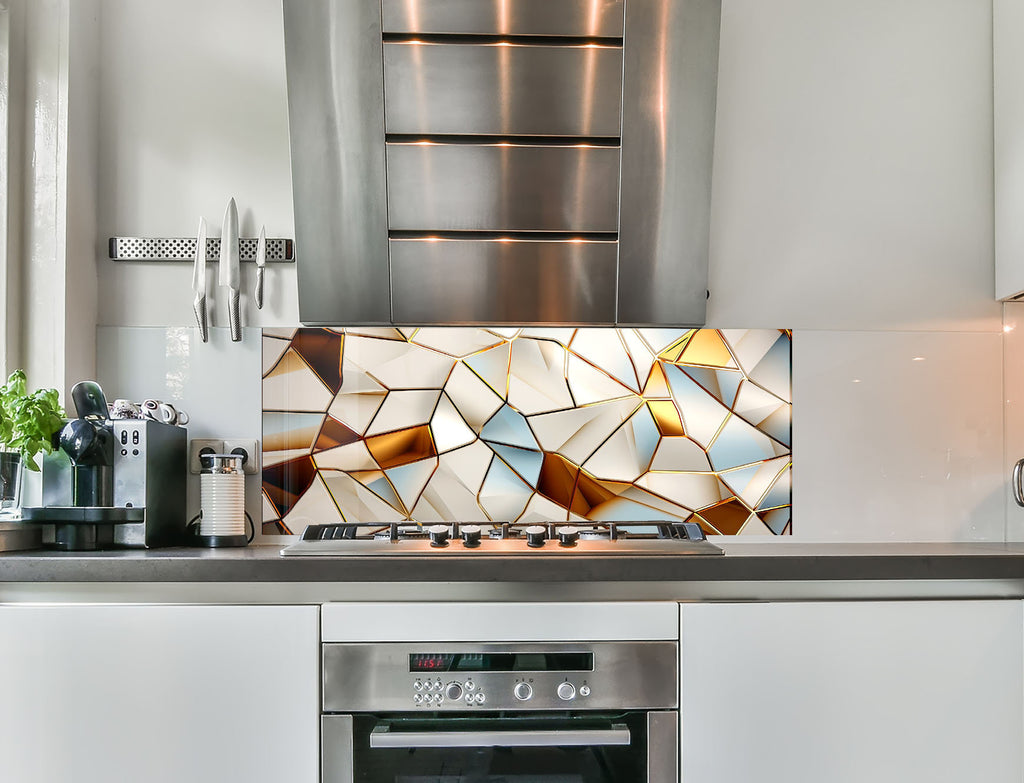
(220, 463)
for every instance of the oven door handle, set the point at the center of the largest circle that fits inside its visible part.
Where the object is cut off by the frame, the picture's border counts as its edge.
(382, 737)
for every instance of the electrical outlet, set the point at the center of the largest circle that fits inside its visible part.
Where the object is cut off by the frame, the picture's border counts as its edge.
(197, 446)
(250, 448)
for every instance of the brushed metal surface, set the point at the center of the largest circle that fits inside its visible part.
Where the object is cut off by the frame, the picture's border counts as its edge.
(383, 737)
(375, 677)
(336, 121)
(336, 747)
(502, 89)
(502, 187)
(662, 747)
(670, 81)
(594, 18)
(491, 281)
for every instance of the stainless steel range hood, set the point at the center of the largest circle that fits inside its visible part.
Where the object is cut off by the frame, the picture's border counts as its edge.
(502, 161)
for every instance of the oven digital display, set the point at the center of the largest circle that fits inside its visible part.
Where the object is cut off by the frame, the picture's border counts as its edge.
(502, 662)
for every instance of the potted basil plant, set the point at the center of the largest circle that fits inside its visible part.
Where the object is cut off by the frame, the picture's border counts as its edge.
(28, 422)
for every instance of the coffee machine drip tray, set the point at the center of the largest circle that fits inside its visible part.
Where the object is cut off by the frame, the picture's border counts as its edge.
(83, 527)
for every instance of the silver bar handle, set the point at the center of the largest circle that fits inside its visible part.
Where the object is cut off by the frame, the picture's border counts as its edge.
(383, 737)
(1018, 489)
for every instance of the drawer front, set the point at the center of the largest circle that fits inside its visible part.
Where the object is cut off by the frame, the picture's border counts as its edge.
(502, 89)
(502, 187)
(596, 18)
(495, 281)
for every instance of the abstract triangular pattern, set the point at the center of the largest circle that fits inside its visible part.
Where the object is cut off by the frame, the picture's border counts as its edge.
(528, 424)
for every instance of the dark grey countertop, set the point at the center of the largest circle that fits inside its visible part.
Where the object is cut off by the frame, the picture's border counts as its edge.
(743, 562)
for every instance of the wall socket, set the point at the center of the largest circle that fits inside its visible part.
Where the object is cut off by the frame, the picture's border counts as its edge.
(250, 447)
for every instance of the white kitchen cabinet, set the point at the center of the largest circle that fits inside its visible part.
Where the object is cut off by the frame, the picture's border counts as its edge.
(1008, 135)
(852, 692)
(159, 694)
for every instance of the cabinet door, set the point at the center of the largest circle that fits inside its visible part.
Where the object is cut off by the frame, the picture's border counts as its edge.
(889, 691)
(1008, 171)
(160, 694)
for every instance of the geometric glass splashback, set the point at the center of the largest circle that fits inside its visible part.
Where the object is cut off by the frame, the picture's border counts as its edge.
(527, 424)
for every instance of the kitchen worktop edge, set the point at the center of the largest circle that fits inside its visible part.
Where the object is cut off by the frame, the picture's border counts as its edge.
(742, 562)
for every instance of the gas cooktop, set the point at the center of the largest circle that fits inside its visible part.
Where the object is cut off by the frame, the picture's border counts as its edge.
(464, 539)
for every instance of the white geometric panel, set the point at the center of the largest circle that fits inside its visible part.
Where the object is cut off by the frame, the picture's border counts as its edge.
(273, 350)
(589, 384)
(409, 480)
(350, 457)
(456, 342)
(702, 414)
(293, 386)
(449, 429)
(604, 348)
(356, 411)
(314, 507)
(474, 399)
(503, 495)
(491, 366)
(640, 354)
(357, 503)
(537, 381)
(402, 409)
(699, 489)
(627, 454)
(398, 365)
(541, 510)
(575, 433)
(680, 454)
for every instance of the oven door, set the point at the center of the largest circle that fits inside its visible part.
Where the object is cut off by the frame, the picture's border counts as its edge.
(629, 747)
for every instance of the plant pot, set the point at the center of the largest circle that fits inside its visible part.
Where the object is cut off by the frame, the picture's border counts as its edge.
(11, 469)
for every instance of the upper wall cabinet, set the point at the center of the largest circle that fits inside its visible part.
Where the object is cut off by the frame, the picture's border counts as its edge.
(1008, 109)
(502, 161)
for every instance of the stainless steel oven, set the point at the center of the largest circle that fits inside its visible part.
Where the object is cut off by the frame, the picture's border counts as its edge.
(518, 712)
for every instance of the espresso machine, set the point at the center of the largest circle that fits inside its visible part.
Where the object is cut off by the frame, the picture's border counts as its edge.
(112, 483)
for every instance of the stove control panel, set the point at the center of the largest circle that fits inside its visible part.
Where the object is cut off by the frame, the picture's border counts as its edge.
(461, 677)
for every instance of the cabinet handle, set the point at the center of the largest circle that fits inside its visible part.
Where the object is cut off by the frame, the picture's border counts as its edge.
(1018, 489)
(382, 737)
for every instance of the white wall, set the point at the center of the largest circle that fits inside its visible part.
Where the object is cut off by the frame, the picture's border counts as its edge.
(852, 202)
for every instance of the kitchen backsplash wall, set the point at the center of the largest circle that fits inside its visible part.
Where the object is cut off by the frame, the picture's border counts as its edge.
(527, 424)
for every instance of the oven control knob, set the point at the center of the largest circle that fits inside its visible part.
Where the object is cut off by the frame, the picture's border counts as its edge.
(470, 535)
(535, 535)
(438, 535)
(566, 691)
(522, 691)
(453, 691)
(568, 535)
(584, 690)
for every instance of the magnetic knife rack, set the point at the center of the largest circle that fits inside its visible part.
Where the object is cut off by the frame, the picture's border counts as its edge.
(279, 251)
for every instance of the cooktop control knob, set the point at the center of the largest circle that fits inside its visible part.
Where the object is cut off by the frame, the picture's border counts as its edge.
(522, 691)
(566, 691)
(535, 535)
(567, 535)
(470, 535)
(438, 535)
(453, 691)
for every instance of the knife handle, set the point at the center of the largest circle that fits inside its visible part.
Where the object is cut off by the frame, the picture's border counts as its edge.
(258, 293)
(199, 306)
(234, 317)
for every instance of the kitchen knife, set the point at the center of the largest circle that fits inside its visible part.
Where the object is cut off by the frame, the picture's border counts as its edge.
(261, 262)
(229, 275)
(199, 281)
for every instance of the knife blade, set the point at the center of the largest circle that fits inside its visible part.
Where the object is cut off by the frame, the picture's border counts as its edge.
(199, 282)
(261, 262)
(229, 275)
